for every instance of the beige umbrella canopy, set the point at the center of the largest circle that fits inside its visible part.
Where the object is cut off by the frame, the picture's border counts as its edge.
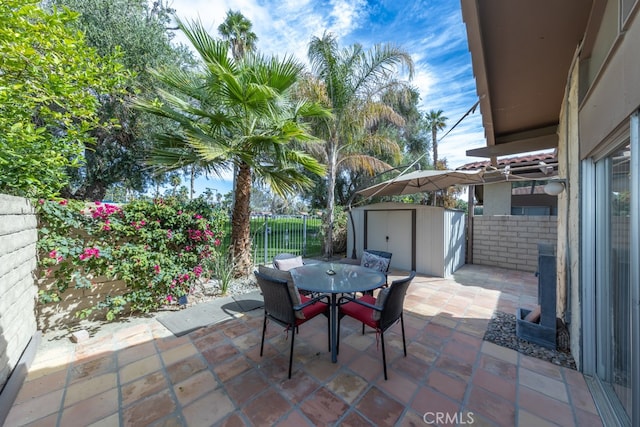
(423, 181)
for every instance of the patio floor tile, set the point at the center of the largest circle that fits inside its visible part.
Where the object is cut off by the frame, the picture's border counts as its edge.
(380, 408)
(143, 388)
(445, 384)
(492, 407)
(542, 405)
(92, 386)
(348, 386)
(429, 400)
(267, 408)
(399, 387)
(208, 410)
(144, 375)
(503, 387)
(91, 410)
(195, 386)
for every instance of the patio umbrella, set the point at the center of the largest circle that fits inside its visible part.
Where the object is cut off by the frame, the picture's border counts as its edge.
(422, 181)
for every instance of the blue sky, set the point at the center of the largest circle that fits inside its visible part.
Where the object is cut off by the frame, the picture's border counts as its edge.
(432, 31)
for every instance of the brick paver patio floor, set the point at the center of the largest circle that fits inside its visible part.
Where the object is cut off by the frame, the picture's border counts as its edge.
(145, 376)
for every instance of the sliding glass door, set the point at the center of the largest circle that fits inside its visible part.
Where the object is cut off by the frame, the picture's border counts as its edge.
(616, 270)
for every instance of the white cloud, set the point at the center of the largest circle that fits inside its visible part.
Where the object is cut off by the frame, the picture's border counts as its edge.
(345, 15)
(431, 31)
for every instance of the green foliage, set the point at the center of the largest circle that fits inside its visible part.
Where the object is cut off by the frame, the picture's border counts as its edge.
(236, 114)
(353, 82)
(156, 247)
(222, 268)
(48, 81)
(138, 30)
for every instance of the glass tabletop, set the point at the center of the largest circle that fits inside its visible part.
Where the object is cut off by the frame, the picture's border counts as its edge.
(347, 278)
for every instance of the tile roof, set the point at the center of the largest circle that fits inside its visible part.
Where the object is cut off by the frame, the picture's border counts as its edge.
(529, 159)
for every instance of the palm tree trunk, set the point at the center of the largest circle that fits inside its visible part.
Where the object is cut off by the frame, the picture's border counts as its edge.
(434, 142)
(331, 186)
(240, 220)
(193, 180)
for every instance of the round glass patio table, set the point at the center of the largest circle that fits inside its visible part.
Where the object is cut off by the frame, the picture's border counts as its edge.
(348, 278)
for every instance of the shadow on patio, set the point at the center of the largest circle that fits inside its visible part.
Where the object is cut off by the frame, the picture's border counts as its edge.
(143, 375)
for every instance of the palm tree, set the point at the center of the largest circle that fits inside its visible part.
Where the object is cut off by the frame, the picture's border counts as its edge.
(351, 82)
(236, 29)
(236, 113)
(435, 122)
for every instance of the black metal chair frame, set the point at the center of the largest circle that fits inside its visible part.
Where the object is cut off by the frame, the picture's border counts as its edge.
(390, 312)
(279, 307)
(382, 254)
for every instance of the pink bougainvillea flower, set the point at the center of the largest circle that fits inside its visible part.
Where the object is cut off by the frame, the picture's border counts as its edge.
(53, 254)
(156, 268)
(169, 298)
(179, 212)
(197, 270)
(63, 202)
(97, 202)
(169, 234)
(89, 252)
(217, 242)
(103, 212)
(41, 201)
(197, 216)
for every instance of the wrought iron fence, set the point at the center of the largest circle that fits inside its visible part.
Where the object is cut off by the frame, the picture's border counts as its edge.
(295, 234)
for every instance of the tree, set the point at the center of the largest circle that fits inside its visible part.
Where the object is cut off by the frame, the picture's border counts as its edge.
(351, 81)
(236, 113)
(48, 81)
(137, 30)
(413, 134)
(236, 29)
(435, 122)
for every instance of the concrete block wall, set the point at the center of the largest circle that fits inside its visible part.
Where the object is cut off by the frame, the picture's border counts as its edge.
(511, 241)
(18, 290)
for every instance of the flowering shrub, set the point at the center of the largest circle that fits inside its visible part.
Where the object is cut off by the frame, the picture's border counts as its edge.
(158, 248)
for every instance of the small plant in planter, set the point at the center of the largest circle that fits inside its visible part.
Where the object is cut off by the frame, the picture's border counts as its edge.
(157, 248)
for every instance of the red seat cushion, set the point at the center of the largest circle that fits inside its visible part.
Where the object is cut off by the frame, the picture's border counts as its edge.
(360, 312)
(312, 310)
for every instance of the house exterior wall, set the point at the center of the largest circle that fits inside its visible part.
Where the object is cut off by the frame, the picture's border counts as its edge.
(568, 253)
(614, 94)
(606, 117)
(18, 237)
(511, 241)
(500, 196)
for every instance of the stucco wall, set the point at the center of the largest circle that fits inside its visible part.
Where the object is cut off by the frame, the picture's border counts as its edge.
(18, 236)
(568, 253)
(499, 195)
(511, 241)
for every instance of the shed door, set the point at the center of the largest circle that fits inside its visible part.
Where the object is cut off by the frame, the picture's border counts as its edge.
(392, 231)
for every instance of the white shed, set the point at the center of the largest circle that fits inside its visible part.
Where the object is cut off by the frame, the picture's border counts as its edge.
(428, 239)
